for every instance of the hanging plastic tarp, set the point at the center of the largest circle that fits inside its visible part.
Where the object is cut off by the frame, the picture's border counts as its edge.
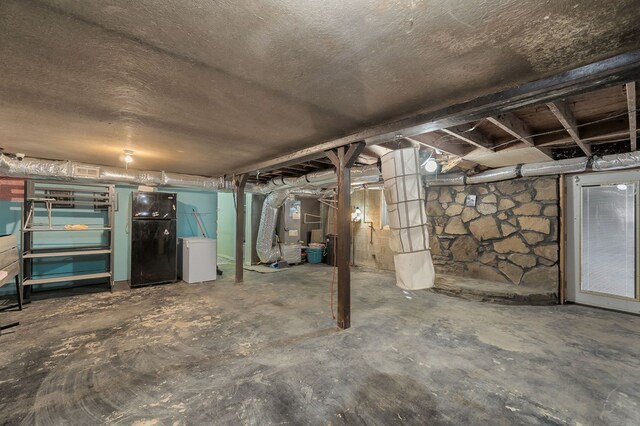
(404, 195)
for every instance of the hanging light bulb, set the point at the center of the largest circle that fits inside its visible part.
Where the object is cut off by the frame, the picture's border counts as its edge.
(128, 156)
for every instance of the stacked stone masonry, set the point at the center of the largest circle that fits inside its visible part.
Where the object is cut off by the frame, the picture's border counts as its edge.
(510, 235)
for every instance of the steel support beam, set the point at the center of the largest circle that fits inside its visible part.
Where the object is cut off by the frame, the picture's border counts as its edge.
(342, 159)
(240, 183)
(631, 105)
(562, 111)
(609, 72)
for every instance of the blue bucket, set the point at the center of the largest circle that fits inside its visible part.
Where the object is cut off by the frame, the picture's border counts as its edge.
(314, 254)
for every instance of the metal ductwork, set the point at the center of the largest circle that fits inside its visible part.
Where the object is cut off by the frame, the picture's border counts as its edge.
(628, 160)
(322, 178)
(267, 251)
(495, 175)
(71, 170)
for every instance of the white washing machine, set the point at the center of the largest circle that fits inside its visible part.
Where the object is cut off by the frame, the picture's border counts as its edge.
(197, 259)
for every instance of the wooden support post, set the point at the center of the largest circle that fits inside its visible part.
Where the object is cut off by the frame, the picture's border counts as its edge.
(240, 183)
(633, 122)
(562, 238)
(343, 158)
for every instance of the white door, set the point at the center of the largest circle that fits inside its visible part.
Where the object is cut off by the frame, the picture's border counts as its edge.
(603, 240)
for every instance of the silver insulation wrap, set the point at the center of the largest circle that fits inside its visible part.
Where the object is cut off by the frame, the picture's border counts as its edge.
(571, 165)
(449, 179)
(33, 167)
(494, 175)
(70, 170)
(267, 251)
(616, 161)
(359, 175)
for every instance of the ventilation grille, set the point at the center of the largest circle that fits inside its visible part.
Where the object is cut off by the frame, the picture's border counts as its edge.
(87, 172)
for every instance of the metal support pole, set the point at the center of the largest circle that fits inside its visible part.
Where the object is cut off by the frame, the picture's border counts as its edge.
(342, 159)
(240, 182)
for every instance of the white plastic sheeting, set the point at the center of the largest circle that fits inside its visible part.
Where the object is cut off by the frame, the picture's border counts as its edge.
(404, 195)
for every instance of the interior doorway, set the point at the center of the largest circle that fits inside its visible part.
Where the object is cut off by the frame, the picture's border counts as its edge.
(603, 240)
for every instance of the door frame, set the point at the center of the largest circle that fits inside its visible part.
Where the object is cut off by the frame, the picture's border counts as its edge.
(573, 220)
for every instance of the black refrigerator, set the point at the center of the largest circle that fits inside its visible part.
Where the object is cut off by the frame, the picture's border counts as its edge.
(153, 238)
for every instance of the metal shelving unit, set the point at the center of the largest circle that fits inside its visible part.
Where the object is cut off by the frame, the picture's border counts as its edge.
(44, 201)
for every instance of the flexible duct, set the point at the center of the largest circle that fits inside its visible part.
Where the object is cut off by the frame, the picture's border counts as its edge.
(571, 165)
(359, 175)
(494, 175)
(71, 170)
(447, 179)
(616, 161)
(267, 252)
(404, 194)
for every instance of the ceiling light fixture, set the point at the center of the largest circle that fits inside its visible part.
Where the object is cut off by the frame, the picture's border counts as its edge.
(431, 165)
(128, 156)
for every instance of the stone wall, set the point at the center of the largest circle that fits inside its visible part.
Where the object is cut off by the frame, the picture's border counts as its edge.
(511, 235)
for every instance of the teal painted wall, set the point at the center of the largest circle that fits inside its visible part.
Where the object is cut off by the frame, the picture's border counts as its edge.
(227, 225)
(205, 203)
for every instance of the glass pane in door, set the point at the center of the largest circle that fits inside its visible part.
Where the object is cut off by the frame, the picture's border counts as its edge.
(608, 240)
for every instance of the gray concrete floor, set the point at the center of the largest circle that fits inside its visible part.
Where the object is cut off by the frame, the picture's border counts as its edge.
(267, 352)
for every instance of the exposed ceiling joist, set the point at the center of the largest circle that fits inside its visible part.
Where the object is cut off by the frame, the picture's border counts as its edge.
(514, 126)
(473, 137)
(606, 73)
(562, 111)
(517, 128)
(436, 140)
(631, 104)
(592, 133)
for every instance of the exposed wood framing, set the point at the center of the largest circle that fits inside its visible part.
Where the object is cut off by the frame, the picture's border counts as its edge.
(517, 128)
(597, 132)
(514, 126)
(606, 73)
(343, 158)
(631, 105)
(562, 237)
(470, 136)
(436, 140)
(240, 182)
(562, 111)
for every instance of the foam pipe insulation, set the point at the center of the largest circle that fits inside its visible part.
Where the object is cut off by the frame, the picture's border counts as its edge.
(404, 194)
(267, 251)
(627, 160)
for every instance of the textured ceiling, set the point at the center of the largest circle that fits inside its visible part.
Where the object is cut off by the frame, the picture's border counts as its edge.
(206, 87)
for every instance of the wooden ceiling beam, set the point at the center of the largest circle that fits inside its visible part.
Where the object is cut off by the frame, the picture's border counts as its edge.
(615, 128)
(473, 137)
(436, 140)
(562, 111)
(517, 128)
(631, 106)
